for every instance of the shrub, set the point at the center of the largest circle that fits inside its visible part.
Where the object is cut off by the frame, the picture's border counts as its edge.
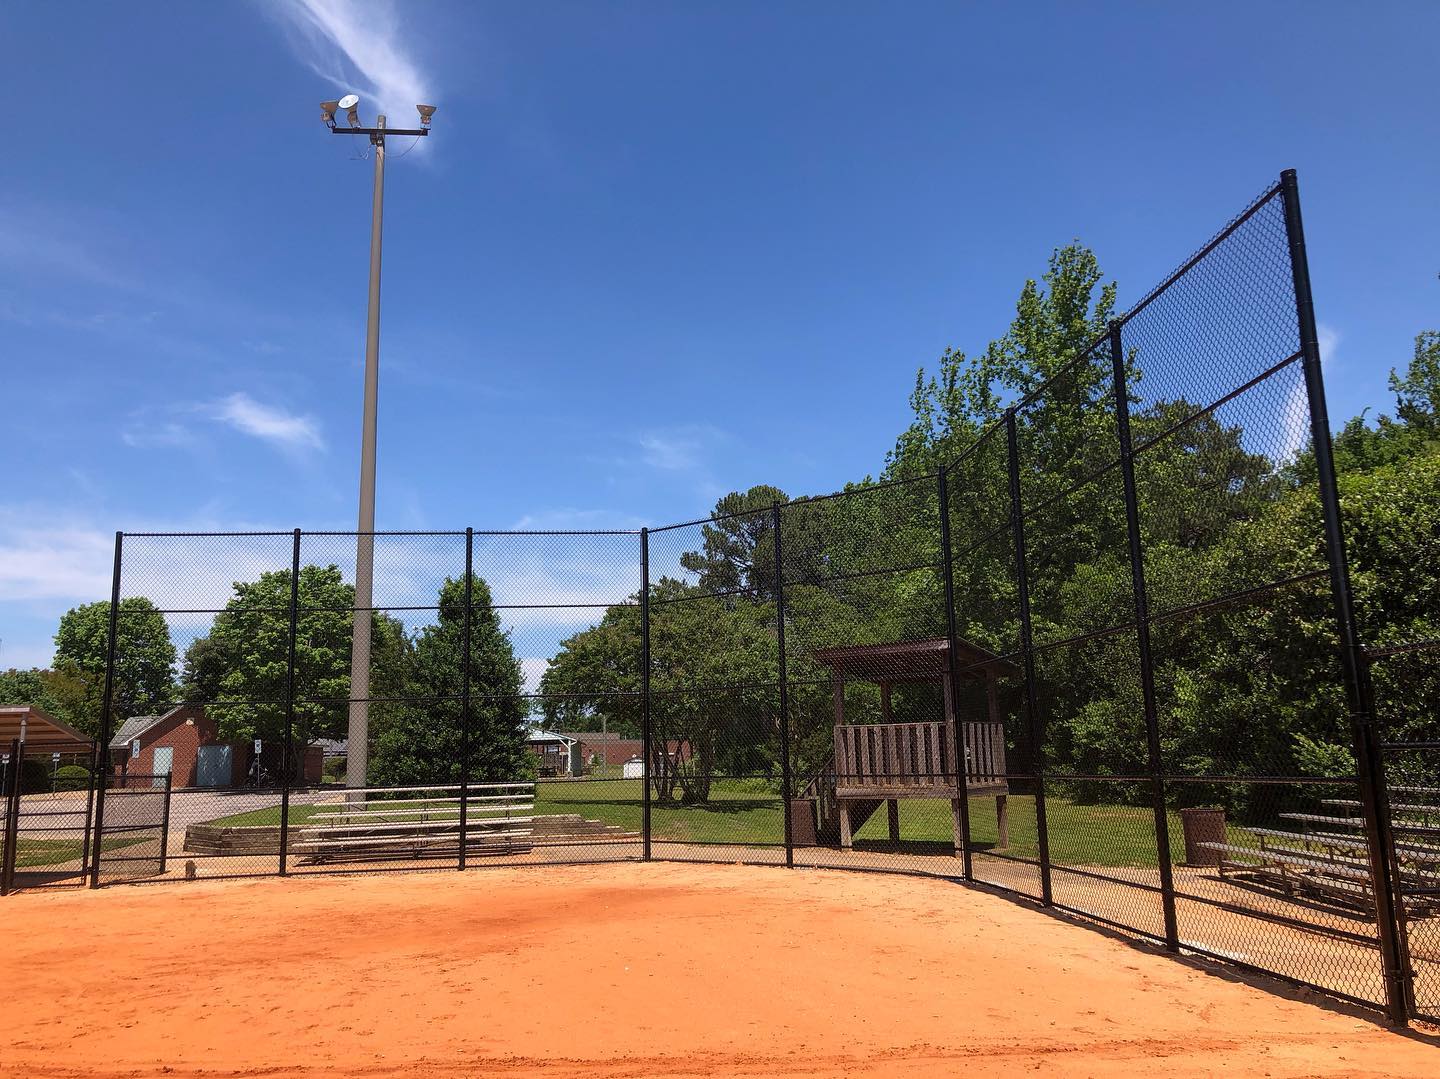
(72, 777)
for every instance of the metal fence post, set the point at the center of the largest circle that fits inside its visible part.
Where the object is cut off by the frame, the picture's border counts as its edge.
(785, 780)
(85, 849)
(962, 781)
(1035, 724)
(107, 703)
(16, 776)
(289, 748)
(646, 749)
(1368, 752)
(1142, 638)
(465, 700)
(165, 821)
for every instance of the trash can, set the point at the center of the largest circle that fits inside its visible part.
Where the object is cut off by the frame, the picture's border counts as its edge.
(802, 822)
(1202, 824)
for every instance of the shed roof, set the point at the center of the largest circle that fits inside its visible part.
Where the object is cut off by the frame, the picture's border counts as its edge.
(133, 728)
(38, 727)
(536, 735)
(596, 737)
(924, 660)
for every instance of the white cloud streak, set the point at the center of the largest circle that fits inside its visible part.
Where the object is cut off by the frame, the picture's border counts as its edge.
(353, 47)
(678, 449)
(268, 423)
(1295, 416)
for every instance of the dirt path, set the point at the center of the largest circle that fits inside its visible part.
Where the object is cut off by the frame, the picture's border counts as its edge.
(629, 970)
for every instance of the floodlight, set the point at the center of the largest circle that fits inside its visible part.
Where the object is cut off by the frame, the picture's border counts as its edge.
(351, 104)
(425, 111)
(327, 111)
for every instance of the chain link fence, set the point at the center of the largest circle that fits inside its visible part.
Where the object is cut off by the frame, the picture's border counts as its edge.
(1107, 660)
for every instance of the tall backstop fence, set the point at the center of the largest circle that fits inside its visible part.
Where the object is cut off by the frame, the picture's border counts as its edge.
(1107, 656)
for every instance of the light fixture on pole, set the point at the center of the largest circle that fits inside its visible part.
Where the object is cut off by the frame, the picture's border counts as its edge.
(358, 752)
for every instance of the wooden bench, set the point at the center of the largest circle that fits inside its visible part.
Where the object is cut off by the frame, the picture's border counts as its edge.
(498, 818)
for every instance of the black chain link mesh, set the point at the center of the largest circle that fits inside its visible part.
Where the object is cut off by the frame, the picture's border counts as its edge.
(1113, 736)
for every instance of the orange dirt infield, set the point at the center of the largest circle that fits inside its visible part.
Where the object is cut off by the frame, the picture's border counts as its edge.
(630, 970)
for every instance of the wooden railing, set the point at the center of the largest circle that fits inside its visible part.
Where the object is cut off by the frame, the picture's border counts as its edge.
(821, 789)
(918, 755)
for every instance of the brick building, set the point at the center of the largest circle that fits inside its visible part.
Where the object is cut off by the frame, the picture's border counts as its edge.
(184, 742)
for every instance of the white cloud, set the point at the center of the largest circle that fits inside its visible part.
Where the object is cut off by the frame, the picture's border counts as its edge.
(268, 423)
(532, 668)
(140, 434)
(1328, 338)
(678, 449)
(562, 519)
(50, 563)
(343, 41)
(1295, 415)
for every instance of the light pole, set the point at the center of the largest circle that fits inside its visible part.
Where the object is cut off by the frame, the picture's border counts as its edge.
(358, 744)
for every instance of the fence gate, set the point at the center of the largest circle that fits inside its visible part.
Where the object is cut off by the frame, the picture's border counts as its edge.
(135, 827)
(45, 836)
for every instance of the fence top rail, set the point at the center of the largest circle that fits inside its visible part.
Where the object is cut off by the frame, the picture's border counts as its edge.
(288, 533)
(1215, 241)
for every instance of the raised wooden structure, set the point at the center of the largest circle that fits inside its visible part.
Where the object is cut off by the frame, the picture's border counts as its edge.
(883, 762)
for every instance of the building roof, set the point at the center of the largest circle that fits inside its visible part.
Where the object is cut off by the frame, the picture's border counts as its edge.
(912, 661)
(595, 737)
(537, 735)
(133, 728)
(38, 727)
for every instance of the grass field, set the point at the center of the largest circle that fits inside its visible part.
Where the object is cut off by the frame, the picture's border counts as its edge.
(749, 812)
(32, 853)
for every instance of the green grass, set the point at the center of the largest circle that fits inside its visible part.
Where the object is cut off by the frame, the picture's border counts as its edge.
(745, 811)
(31, 853)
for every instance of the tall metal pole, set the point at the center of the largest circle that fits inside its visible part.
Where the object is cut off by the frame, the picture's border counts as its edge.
(785, 781)
(646, 749)
(1036, 726)
(358, 747)
(288, 757)
(1142, 639)
(957, 734)
(1368, 754)
(465, 699)
(107, 704)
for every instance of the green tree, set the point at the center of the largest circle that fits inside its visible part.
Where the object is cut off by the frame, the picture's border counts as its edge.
(1417, 392)
(62, 694)
(424, 743)
(239, 671)
(144, 658)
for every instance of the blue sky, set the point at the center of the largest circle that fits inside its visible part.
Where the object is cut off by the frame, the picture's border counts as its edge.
(653, 252)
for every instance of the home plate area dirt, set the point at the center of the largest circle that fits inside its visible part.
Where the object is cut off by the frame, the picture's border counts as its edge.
(634, 970)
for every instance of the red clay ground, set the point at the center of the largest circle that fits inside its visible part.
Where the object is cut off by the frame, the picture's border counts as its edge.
(629, 970)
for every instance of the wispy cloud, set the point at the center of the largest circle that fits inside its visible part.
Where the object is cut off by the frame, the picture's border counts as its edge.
(532, 669)
(1295, 416)
(678, 449)
(268, 423)
(352, 46)
(168, 433)
(56, 561)
(567, 518)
